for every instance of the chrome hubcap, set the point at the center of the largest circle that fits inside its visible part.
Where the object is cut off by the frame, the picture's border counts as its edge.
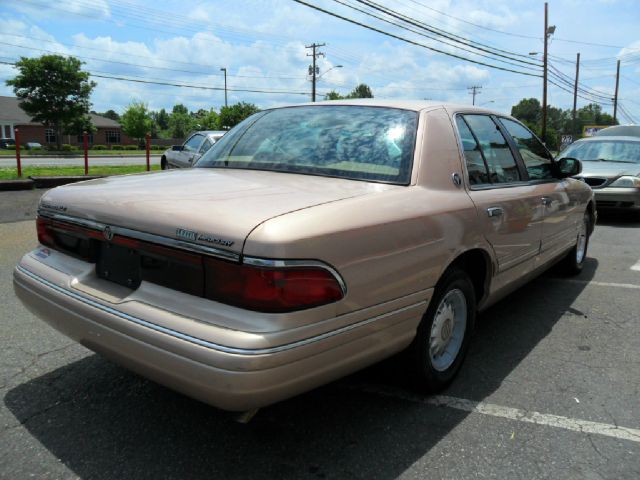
(447, 331)
(581, 245)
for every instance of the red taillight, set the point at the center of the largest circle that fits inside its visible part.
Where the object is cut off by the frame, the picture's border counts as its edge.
(45, 234)
(271, 290)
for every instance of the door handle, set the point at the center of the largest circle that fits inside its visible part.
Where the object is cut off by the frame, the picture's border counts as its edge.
(546, 201)
(494, 211)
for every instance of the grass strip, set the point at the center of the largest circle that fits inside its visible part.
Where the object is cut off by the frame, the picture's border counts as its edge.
(11, 173)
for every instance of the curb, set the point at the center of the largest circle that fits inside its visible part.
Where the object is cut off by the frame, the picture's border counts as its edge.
(12, 185)
(50, 182)
(43, 182)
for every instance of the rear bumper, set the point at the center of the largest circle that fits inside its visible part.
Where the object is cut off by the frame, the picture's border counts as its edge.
(617, 198)
(232, 378)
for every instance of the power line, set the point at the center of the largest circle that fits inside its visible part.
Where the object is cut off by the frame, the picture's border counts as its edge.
(184, 85)
(448, 35)
(406, 40)
(445, 42)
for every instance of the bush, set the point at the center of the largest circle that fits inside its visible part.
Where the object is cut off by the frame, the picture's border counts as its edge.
(130, 147)
(99, 147)
(117, 147)
(158, 147)
(68, 148)
(11, 147)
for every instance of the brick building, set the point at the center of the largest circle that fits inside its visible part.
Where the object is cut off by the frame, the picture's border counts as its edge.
(108, 132)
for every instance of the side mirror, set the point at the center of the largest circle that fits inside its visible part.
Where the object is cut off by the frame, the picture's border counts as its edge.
(569, 167)
(177, 148)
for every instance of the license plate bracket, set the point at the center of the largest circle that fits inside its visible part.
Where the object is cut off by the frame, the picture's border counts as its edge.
(119, 264)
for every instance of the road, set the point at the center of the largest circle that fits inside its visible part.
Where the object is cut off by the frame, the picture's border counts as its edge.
(57, 161)
(550, 389)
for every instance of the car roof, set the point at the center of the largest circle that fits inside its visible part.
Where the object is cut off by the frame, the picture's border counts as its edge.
(416, 105)
(619, 131)
(212, 132)
(609, 138)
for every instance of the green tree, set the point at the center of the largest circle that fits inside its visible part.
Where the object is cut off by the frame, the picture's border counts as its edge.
(233, 114)
(361, 91)
(180, 121)
(79, 126)
(112, 114)
(333, 95)
(528, 111)
(53, 90)
(209, 120)
(136, 121)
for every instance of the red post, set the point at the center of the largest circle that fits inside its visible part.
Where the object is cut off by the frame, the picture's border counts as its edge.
(18, 162)
(85, 141)
(148, 145)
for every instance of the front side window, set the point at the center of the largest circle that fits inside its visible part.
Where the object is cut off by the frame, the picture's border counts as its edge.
(353, 142)
(495, 149)
(193, 143)
(536, 158)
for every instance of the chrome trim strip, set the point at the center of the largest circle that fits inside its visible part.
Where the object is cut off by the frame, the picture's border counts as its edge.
(149, 237)
(205, 343)
(265, 262)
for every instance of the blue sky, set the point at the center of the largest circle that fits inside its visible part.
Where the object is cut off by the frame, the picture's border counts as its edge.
(261, 43)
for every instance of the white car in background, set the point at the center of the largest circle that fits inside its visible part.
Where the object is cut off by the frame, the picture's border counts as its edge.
(186, 155)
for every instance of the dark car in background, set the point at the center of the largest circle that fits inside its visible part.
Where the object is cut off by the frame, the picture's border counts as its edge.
(611, 166)
(7, 142)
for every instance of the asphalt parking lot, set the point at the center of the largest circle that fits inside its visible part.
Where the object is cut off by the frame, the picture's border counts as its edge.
(550, 389)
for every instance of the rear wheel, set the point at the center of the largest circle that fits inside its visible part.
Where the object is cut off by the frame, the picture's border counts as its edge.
(163, 163)
(574, 261)
(442, 339)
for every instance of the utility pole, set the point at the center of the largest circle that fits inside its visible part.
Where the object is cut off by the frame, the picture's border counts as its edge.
(575, 92)
(475, 90)
(223, 69)
(544, 74)
(313, 69)
(615, 98)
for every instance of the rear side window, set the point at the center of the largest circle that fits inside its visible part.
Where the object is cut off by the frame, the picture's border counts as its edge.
(535, 156)
(193, 143)
(476, 168)
(501, 164)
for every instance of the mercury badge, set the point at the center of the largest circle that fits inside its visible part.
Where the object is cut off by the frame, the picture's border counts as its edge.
(192, 236)
(107, 234)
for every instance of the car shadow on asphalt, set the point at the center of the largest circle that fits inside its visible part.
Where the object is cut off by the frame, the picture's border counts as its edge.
(103, 422)
(614, 218)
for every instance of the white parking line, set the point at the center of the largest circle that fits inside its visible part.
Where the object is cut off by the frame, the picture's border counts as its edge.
(537, 418)
(601, 284)
(636, 267)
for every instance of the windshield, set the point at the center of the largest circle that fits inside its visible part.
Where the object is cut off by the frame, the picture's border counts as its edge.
(353, 142)
(604, 151)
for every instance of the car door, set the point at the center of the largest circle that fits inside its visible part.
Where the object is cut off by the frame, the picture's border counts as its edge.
(189, 149)
(559, 212)
(509, 209)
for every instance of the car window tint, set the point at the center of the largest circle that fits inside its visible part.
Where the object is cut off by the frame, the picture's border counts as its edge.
(193, 143)
(535, 156)
(355, 142)
(500, 161)
(206, 145)
(476, 168)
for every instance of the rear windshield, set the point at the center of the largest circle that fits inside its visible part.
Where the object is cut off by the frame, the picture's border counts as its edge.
(354, 142)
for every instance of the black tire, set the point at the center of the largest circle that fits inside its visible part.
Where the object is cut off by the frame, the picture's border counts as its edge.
(163, 163)
(572, 264)
(427, 376)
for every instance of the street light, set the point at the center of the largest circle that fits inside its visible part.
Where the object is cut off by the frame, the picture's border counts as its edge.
(327, 71)
(223, 69)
